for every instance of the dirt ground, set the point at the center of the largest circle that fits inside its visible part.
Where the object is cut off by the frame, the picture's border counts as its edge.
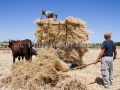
(90, 75)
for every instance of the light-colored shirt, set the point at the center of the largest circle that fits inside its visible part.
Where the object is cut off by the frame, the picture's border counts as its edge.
(34, 48)
(48, 13)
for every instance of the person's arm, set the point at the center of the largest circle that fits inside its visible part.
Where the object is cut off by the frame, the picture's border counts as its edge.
(46, 17)
(47, 14)
(115, 54)
(99, 56)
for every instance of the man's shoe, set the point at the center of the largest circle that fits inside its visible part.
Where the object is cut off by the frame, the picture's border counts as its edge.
(112, 84)
(107, 87)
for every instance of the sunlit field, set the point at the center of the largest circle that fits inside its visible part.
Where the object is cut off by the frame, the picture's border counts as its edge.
(89, 76)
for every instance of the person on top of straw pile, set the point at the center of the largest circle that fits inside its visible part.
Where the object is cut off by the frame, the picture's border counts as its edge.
(50, 14)
(107, 56)
(34, 48)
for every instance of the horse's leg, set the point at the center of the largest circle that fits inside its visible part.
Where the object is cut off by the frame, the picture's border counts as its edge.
(19, 58)
(22, 57)
(13, 59)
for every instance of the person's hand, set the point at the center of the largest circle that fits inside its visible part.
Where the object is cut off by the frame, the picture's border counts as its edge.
(96, 61)
(114, 57)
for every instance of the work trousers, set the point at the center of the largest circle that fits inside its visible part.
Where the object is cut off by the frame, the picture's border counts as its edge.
(55, 16)
(107, 70)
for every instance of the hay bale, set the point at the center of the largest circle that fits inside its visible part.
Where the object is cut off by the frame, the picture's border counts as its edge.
(49, 55)
(33, 76)
(23, 68)
(72, 55)
(23, 73)
(71, 30)
(7, 79)
(71, 84)
(52, 31)
(36, 74)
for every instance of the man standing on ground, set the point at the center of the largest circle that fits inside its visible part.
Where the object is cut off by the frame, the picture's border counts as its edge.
(107, 56)
(50, 14)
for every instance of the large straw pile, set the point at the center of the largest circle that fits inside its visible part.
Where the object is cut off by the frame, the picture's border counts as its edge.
(71, 30)
(42, 74)
(49, 55)
(72, 55)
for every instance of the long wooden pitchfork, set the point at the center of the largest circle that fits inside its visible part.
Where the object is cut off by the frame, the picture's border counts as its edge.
(86, 65)
(82, 66)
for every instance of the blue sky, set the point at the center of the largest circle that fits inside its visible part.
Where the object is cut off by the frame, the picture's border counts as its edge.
(17, 16)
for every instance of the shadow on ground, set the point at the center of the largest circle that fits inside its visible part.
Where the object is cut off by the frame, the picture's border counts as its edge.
(98, 80)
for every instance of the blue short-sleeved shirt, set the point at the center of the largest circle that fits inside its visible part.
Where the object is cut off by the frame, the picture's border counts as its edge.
(109, 47)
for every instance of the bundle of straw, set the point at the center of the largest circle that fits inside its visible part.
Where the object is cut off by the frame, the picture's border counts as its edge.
(71, 30)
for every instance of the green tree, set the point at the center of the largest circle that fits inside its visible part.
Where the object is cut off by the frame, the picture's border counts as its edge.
(117, 43)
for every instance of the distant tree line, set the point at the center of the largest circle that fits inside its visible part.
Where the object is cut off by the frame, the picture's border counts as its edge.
(5, 42)
(117, 43)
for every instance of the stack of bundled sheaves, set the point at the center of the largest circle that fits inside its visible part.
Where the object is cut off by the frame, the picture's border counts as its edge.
(70, 31)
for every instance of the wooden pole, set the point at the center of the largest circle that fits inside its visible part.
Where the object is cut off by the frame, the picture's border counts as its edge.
(41, 25)
(49, 34)
(58, 30)
(41, 15)
(82, 66)
(66, 32)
